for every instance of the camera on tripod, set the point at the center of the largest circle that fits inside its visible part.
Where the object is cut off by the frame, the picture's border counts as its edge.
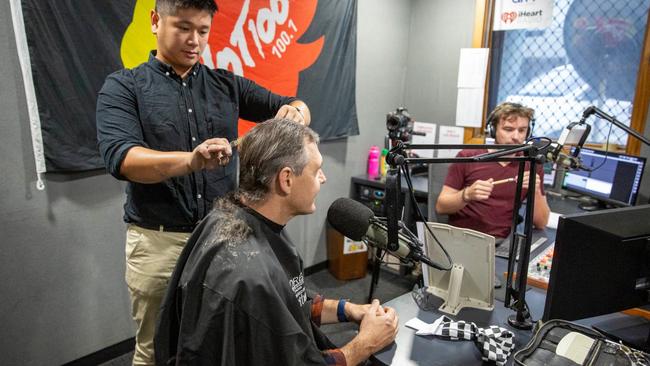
(400, 129)
(399, 125)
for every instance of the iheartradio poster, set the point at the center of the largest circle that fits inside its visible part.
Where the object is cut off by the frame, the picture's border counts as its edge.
(305, 48)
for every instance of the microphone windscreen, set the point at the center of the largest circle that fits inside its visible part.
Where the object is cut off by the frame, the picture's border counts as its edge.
(349, 217)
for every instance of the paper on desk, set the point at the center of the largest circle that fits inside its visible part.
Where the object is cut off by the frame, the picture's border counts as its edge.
(423, 328)
(553, 219)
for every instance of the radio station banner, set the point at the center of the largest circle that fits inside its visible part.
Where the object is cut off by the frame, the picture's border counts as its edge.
(67, 48)
(522, 14)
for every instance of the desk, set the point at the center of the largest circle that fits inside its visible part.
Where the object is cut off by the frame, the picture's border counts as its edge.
(410, 349)
(557, 204)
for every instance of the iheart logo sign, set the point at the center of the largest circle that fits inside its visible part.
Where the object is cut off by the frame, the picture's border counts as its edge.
(509, 17)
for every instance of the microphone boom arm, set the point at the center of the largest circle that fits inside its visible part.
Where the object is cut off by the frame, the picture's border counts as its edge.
(595, 110)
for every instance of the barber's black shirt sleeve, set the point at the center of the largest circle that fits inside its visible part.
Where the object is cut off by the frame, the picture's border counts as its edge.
(256, 102)
(118, 125)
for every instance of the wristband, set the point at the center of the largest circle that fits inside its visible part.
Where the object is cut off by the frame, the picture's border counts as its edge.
(462, 195)
(340, 311)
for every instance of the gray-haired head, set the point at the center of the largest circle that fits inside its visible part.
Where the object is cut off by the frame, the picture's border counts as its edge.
(169, 7)
(268, 148)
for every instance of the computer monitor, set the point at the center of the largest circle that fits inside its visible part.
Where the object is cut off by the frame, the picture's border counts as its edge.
(615, 183)
(601, 265)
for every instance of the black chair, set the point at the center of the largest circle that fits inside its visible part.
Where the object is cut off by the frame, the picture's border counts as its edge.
(437, 174)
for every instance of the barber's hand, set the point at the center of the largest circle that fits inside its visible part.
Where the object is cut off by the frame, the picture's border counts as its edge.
(526, 177)
(378, 327)
(210, 154)
(479, 190)
(292, 113)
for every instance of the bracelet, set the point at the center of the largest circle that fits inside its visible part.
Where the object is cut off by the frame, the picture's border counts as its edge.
(340, 311)
(462, 195)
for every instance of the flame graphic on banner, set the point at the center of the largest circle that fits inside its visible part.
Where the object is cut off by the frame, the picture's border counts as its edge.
(138, 39)
(252, 38)
(258, 39)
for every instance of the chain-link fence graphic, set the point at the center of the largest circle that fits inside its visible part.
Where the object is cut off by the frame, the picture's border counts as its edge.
(589, 55)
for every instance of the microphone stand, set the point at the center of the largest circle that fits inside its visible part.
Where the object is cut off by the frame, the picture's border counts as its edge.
(532, 154)
(594, 110)
(392, 204)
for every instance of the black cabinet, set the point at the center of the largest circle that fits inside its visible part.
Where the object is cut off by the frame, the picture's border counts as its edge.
(371, 192)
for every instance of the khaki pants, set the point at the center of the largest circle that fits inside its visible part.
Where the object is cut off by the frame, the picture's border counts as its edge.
(150, 260)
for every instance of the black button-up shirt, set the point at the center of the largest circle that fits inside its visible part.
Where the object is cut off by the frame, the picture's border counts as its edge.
(152, 107)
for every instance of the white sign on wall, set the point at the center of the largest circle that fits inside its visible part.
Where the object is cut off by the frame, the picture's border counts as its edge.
(450, 135)
(472, 71)
(428, 137)
(522, 14)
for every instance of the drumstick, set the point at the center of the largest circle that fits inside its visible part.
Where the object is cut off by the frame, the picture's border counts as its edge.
(503, 181)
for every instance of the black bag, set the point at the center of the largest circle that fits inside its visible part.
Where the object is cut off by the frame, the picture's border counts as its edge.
(588, 345)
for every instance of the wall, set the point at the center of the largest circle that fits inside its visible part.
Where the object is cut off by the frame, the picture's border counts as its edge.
(431, 79)
(62, 262)
(382, 48)
(62, 289)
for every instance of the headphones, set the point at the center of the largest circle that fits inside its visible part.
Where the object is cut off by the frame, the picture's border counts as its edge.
(491, 121)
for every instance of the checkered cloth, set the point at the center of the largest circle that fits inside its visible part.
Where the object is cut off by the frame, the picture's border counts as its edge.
(635, 356)
(495, 343)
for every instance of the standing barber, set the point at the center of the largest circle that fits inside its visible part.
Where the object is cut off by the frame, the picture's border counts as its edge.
(165, 127)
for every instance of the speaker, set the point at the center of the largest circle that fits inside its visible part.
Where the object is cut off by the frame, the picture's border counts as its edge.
(490, 123)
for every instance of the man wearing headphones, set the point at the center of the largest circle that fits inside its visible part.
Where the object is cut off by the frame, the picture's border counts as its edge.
(469, 195)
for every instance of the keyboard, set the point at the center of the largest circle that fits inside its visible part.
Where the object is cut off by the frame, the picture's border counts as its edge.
(503, 250)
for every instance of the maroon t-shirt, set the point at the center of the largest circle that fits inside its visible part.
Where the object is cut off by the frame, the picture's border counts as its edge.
(494, 215)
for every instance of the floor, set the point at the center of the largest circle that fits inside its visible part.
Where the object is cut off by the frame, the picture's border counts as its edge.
(390, 285)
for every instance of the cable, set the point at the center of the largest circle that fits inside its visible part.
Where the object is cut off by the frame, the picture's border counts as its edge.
(409, 183)
(606, 153)
(416, 249)
(549, 141)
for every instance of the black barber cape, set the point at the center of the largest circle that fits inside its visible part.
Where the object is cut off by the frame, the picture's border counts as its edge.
(237, 297)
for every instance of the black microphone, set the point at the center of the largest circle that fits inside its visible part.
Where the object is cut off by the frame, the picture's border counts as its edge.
(587, 112)
(554, 153)
(569, 162)
(357, 222)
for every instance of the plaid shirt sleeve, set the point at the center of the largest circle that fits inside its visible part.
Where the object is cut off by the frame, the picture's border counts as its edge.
(334, 357)
(317, 308)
